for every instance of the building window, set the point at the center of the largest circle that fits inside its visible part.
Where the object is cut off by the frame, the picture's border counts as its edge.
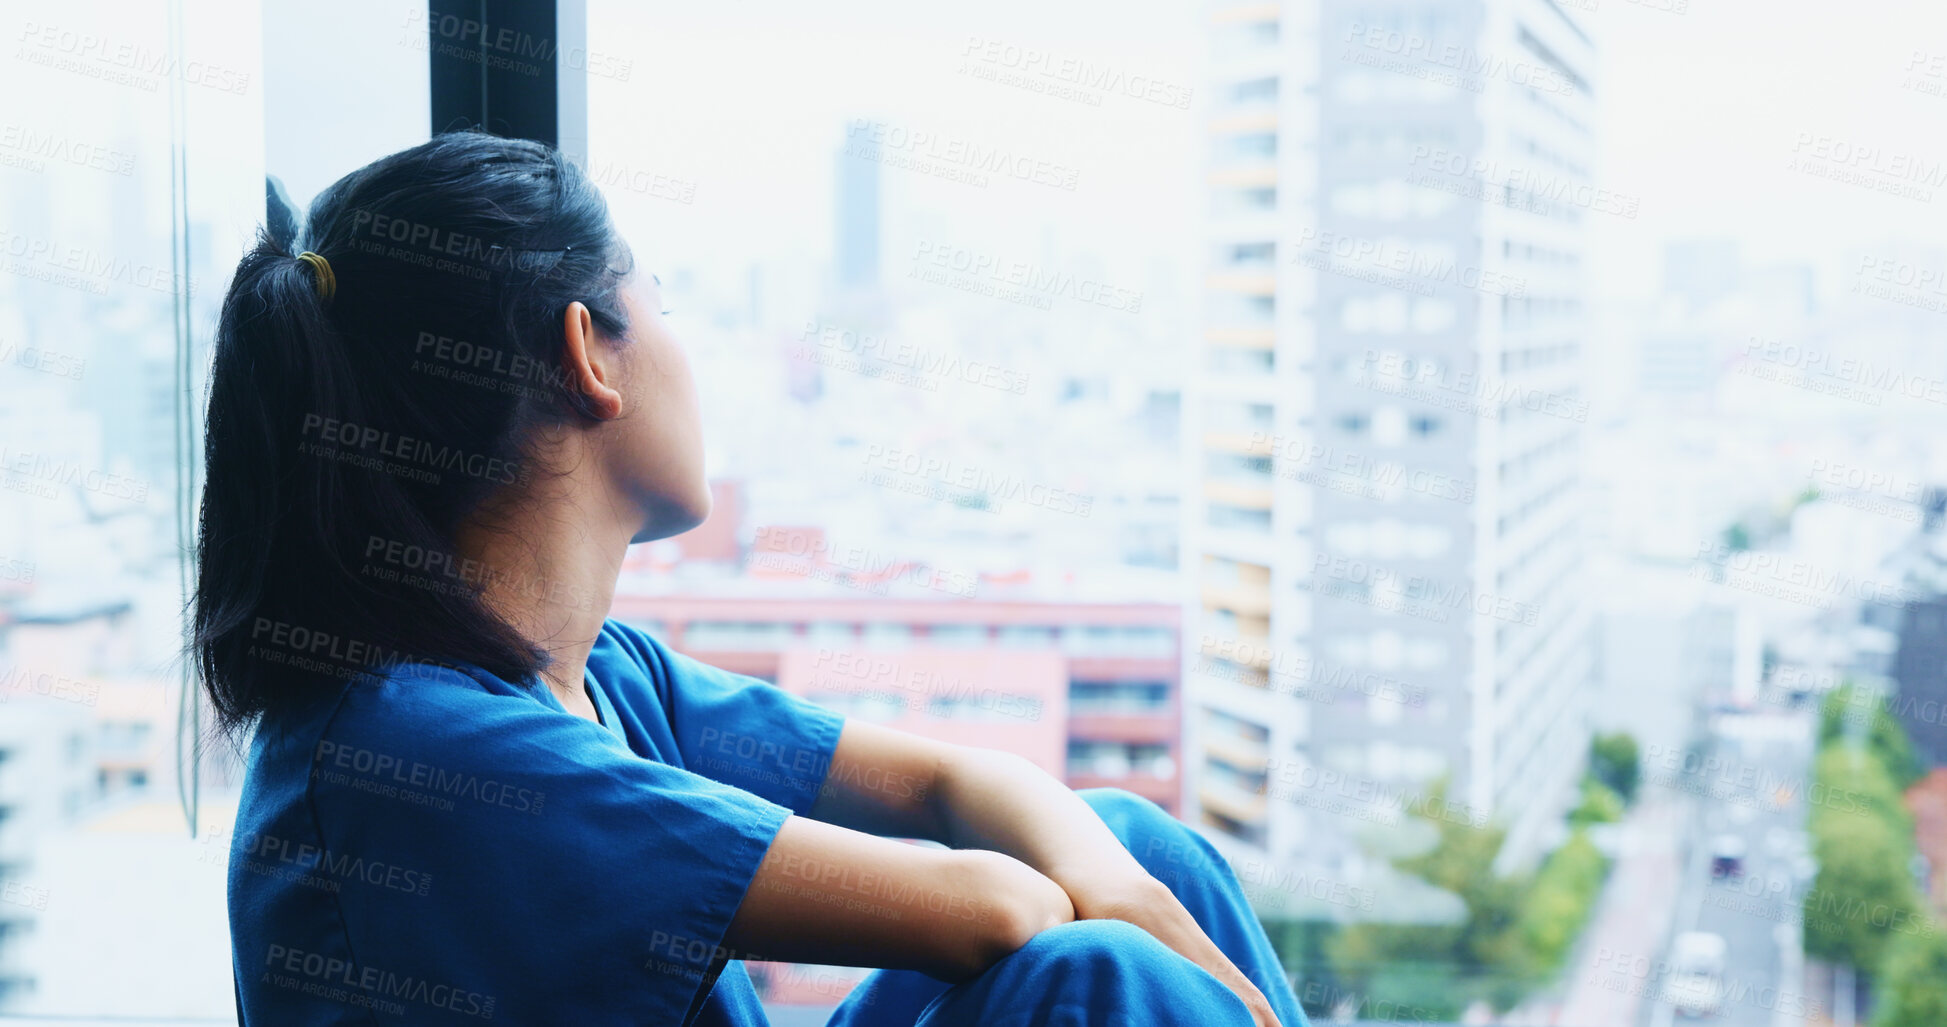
(1119, 759)
(1109, 697)
(733, 636)
(1426, 653)
(1433, 315)
(1237, 360)
(887, 636)
(986, 705)
(1373, 313)
(825, 634)
(1249, 255)
(1230, 518)
(1255, 90)
(1255, 144)
(1016, 636)
(878, 707)
(1389, 425)
(959, 636)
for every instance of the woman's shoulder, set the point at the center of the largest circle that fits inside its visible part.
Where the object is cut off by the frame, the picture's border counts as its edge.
(371, 709)
(435, 704)
(620, 639)
(635, 665)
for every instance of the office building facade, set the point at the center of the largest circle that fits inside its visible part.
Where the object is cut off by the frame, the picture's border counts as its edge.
(1386, 536)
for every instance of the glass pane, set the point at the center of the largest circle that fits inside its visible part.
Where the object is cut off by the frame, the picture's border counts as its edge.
(131, 163)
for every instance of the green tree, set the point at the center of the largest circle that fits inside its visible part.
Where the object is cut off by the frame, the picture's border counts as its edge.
(1913, 982)
(1861, 897)
(1848, 709)
(1385, 967)
(1838, 709)
(1616, 761)
(1441, 968)
(1888, 740)
(1864, 898)
(1852, 791)
(1463, 863)
(1600, 805)
(1564, 892)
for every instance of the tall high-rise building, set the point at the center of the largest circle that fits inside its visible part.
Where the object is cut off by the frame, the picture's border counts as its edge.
(1702, 271)
(855, 227)
(1386, 423)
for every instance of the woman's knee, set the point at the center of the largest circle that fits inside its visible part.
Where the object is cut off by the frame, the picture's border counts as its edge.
(1085, 945)
(1091, 972)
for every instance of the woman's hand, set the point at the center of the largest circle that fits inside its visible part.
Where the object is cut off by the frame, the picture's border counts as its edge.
(1149, 904)
(972, 799)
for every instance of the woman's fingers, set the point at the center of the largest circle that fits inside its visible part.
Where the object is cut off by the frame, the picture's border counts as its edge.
(1150, 905)
(1254, 999)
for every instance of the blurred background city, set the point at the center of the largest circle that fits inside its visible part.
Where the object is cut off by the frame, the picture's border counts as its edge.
(1467, 457)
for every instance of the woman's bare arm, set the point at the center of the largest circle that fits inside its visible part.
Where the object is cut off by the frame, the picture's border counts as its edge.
(893, 782)
(827, 894)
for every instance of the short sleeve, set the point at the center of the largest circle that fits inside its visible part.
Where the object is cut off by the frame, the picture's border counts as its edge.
(540, 834)
(741, 730)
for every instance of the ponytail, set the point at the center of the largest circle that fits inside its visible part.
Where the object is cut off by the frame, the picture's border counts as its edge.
(334, 432)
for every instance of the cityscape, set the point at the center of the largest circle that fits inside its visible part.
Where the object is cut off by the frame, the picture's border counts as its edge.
(1398, 439)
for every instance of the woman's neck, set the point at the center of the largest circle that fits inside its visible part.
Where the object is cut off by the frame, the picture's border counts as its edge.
(550, 566)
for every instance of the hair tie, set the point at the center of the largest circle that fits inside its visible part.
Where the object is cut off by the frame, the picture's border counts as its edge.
(326, 282)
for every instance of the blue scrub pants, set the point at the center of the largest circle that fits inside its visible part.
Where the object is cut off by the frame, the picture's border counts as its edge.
(1104, 972)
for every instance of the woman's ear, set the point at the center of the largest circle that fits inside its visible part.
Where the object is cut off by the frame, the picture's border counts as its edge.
(591, 367)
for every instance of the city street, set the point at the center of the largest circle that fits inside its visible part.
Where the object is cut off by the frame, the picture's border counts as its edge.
(1748, 793)
(1633, 917)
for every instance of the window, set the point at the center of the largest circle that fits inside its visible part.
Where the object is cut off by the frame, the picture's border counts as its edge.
(1221, 415)
(1252, 254)
(1425, 653)
(958, 636)
(953, 323)
(1237, 360)
(1371, 313)
(887, 636)
(1388, 425)
(1087, 697)
(826, 634)
(1014, 636)
(1389, 200)
(1244, 202)
(732, 636)
(988, 706)
(1239, 467)
(1246, 147)
(1223, 515)
(1433, 315)
(1119, 759)
(876, 706)
(1255, 90)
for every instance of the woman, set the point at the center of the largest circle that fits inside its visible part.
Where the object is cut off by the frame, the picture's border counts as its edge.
(434, 430)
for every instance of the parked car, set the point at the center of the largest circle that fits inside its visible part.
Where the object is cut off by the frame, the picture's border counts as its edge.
(1696, 985)
(1726, 856)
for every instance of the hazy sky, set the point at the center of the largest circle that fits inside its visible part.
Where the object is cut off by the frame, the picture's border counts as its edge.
(1702, 112)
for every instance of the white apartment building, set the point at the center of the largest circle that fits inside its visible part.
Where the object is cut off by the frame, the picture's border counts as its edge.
(1385, 524)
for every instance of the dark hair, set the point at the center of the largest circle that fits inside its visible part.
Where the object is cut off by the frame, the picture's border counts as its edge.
(349, 434)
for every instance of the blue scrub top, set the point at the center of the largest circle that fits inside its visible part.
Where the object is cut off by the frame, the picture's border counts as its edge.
(440, 846)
